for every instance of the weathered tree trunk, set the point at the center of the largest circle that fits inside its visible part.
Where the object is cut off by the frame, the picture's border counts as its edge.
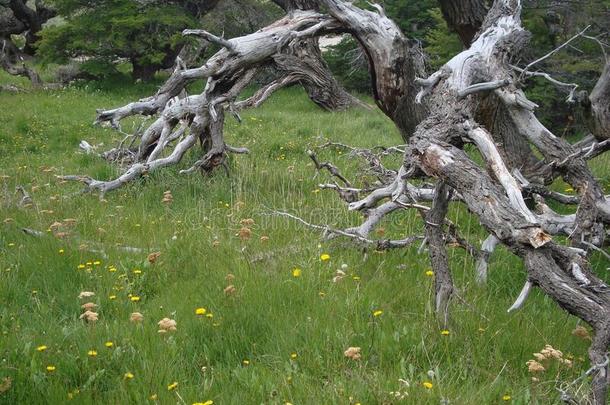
(304, 59)
(597, 107)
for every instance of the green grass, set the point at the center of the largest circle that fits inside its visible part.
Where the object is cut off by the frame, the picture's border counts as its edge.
(272, 315)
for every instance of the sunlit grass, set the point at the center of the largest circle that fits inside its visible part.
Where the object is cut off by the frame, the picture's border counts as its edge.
(280, 336)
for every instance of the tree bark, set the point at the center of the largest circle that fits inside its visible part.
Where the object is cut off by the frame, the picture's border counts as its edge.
(465, 17)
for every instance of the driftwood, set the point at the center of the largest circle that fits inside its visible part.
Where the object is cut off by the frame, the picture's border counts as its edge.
(475, 98)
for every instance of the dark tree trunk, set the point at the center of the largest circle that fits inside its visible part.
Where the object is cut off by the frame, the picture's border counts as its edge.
(464, 17)
(143, 72)
(304, 59)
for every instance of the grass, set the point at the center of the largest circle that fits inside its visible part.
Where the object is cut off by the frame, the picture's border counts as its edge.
(278, 338)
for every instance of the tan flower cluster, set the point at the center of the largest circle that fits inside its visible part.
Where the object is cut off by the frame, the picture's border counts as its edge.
(166, 325)
(136, 317)
(152, 258)
(230, 290)
(581, 332)
(353, 353)
(545, 357)
(168, 198)
(89, 315)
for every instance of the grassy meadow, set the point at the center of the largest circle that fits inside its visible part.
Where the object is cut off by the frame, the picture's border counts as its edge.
(279, 337)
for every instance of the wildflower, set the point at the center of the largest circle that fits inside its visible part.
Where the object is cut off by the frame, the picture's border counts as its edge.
(429, 273)
(209, 315)
(50, 368)
(41, 348)
(339, 275)
(153, 397)
(427, 384)
(356, 278)
(85, 294)
(109, 344)
(136, 317)
(377, 313)
(264, 238)
(445, 332)
(324, 257)
(137, 271)
(89, 316)
(89, 306)
(172, 386)
(293, 356)
(112, 297)
(128, 376)
(353, 353)
(534, 367)
(61, 251)
(152, 258)
(296, 272)
(112, 269)
(134, 298)
(506, 397)
(92, 353)
(200, 311)
(208, 402)
(581, 332)
(97, 263)
(246, 362)
(81, 266)
(166, 325)
(229, 290)
(244, 233)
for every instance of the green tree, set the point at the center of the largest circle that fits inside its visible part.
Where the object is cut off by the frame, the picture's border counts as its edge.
(103, 32)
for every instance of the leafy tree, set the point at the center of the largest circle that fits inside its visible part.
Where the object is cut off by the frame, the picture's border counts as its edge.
(103, 32)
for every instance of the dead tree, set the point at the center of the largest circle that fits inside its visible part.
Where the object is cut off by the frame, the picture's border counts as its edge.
(19, 18)
(474, 99)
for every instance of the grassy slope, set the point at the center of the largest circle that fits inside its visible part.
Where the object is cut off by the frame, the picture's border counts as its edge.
(273, 314)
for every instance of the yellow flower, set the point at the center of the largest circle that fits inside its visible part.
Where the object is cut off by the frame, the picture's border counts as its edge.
(356, 278)
(41, 348)
(109, 344)
(61, 251)
(137, 271)
(324, 257)
(296, 272)
(445, 332)
(97, 263)
(200, 311)
(293, 356)
(50, 368)
(112, 269)
(429, 273)
(246, 362)
(209, 315)
(92, 353)
(112, 297)
(506, 398)
(208, 402)
(378, 312)
(153, 397)
(172, 386)
(427, 384)
(81, 266)
(128, 376)
(135, 298)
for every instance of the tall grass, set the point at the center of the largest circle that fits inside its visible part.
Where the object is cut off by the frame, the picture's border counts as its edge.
(279, 338)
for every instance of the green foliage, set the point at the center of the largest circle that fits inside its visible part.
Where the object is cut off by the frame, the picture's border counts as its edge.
(349, 65)
(440, 44)
(104, 32)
